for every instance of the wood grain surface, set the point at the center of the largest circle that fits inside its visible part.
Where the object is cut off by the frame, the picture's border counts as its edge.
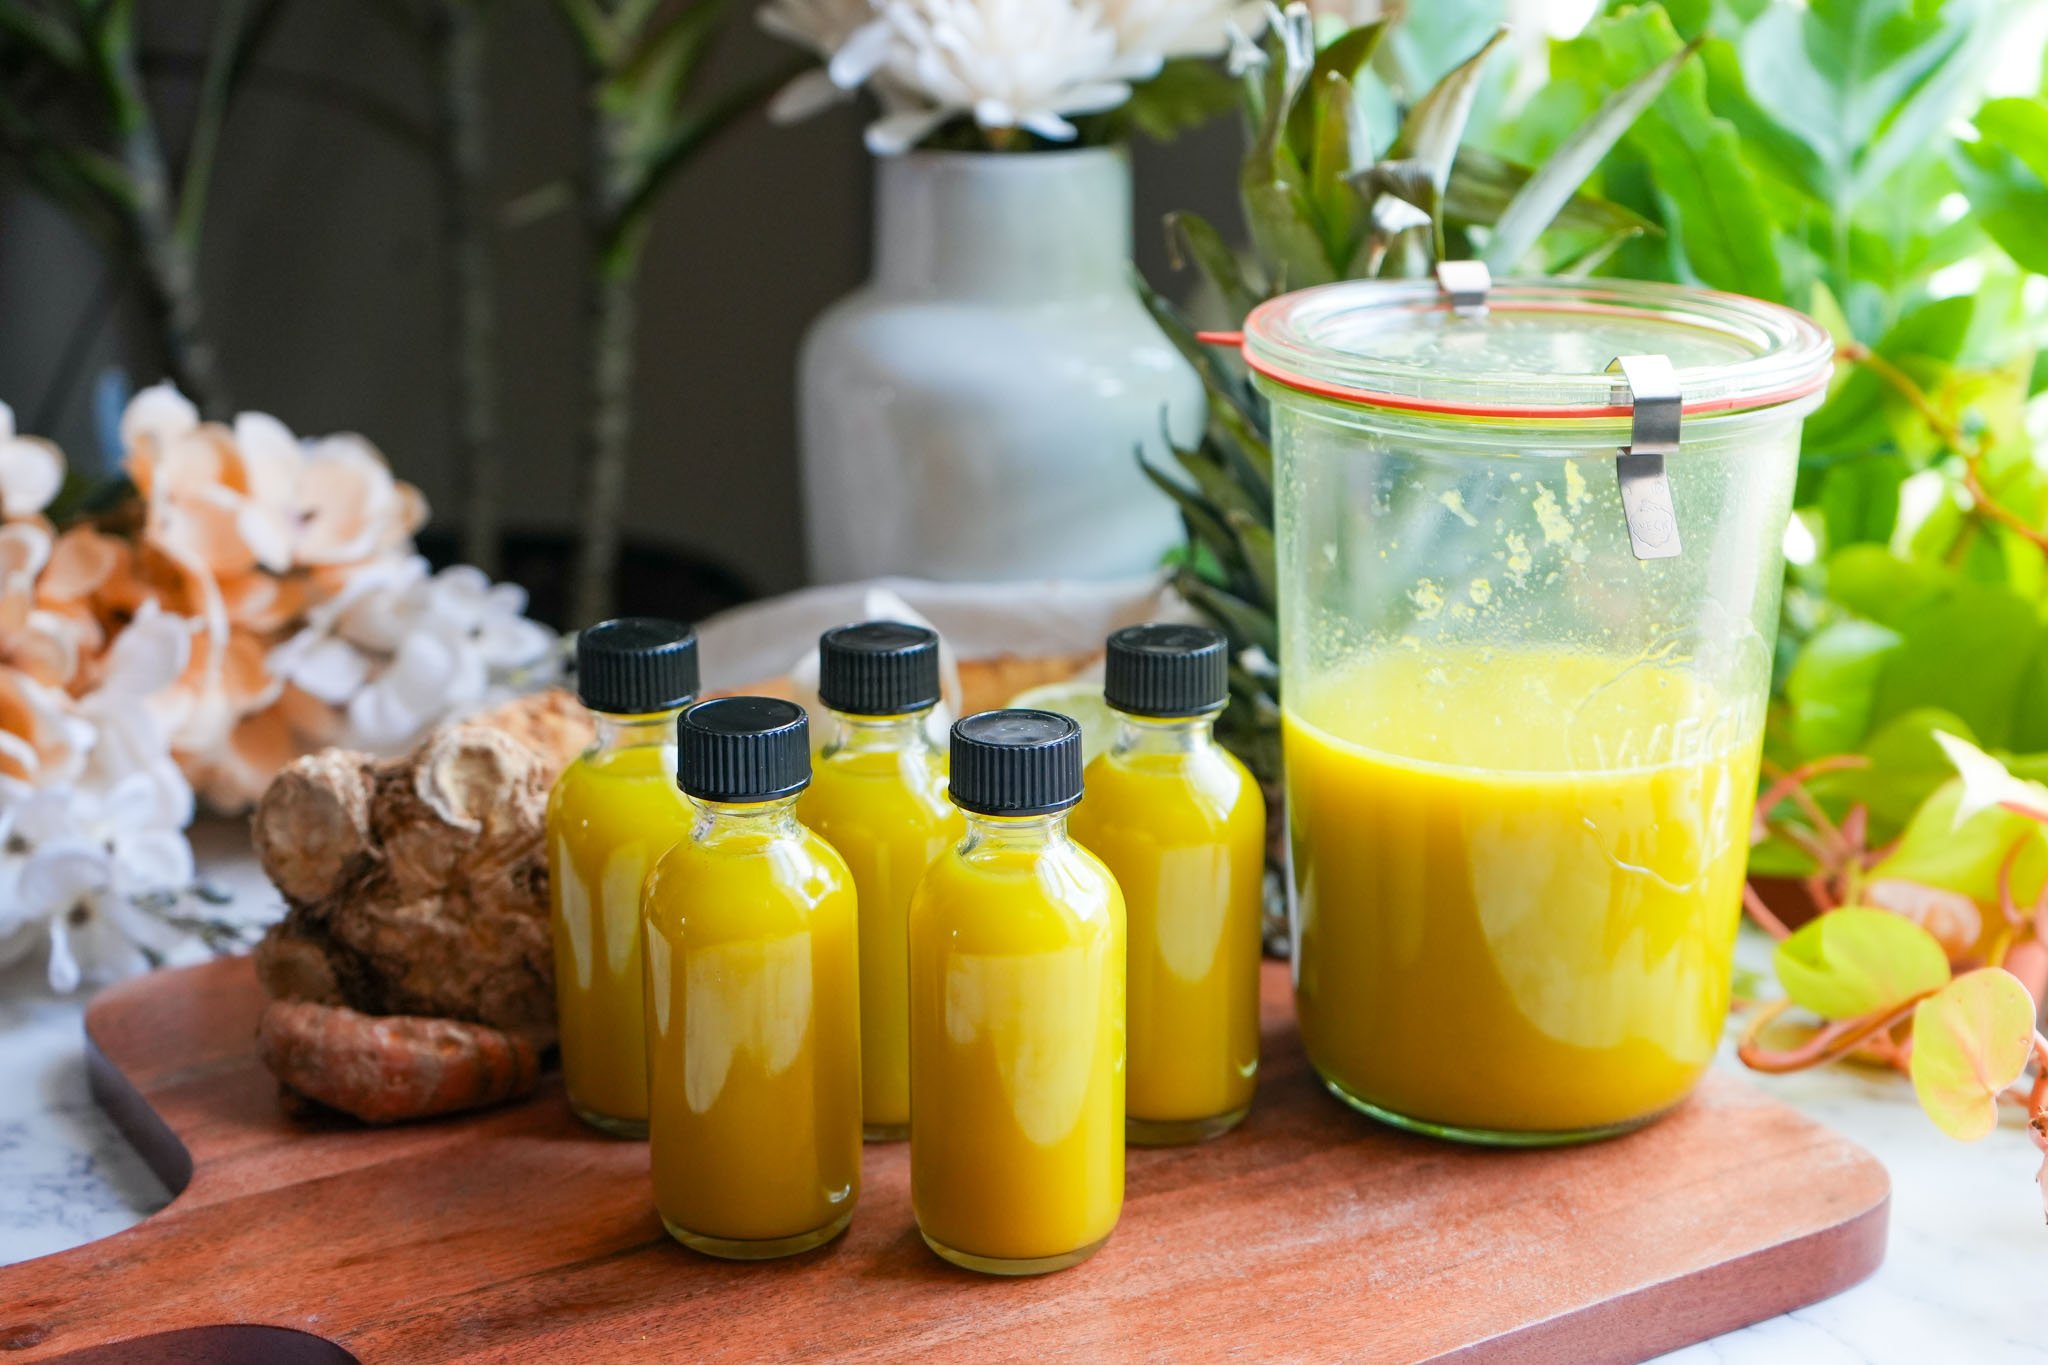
(1311, 1233)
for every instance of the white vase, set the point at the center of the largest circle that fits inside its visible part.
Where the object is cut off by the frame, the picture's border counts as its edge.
(974, 411)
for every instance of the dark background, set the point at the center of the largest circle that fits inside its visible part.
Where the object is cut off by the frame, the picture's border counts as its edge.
(325, 276)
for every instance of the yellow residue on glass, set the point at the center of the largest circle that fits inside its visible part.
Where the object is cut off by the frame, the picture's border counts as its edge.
(1454, 503)
(1428, 599)
(1481, 591)
(1517, 558)
(1557, 528)
(1574, 488)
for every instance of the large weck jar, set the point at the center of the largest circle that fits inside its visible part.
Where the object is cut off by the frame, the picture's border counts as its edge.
(1530, 555)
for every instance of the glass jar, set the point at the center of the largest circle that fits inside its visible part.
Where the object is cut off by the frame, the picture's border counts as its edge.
(1527, 612)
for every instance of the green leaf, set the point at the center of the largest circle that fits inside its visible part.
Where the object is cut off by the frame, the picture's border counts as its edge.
(1245, 623)
(1872, 582)
(1859, 500)
(1853, 962)
(1997, 632)
(1833, 687)
(1205, 524)
(1345, 57)
(44, 35)
(2021, 127)
(1192, 238)
(1865, 83)
(1255, 539)
(1716, 210)
(1436, 125)
(2009, 199)
(1340, 144)
(1186, 94)
(1282, 218)
(1537, 205)
(1935, 851)
(1904, 766)
(1854, 418)
(1482, 185)
(1969, 1043)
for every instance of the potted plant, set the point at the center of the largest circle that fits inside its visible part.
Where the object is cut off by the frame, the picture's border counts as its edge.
(971, 411)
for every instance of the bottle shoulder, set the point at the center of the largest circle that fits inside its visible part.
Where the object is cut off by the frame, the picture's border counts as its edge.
(1065, 881)
(1160, 790)
(850, 782)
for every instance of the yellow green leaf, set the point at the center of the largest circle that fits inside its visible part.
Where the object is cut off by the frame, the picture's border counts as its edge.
(1970, 1042)
(1852, 962)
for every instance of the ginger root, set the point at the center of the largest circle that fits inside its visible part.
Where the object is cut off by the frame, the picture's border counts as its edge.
(417, 895)
(385, 1070)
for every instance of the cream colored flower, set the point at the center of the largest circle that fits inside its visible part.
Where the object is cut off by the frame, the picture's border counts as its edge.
(1008, 64)
(31, 470)
(848, 35)
(1182, 28)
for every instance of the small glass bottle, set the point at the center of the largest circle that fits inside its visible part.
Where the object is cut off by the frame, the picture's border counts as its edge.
(612, 813)
(879, 798)
(753, 998)
(1017, 1013)
(1182, 825)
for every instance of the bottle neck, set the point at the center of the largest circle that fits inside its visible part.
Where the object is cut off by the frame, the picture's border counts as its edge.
(657, 729)
(1003, 227)
(750, 822)
(878, 734)
(1014, 834)
(1143, 736)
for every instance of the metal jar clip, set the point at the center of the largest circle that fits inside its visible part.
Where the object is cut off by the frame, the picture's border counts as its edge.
(1466, 284)
(1651, 390)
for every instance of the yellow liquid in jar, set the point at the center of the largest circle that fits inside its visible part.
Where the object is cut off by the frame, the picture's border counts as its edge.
(610, 816)
(1017, 1055)
(753, 1018)
(888, 816)
(1519, 877)
(1185, 836)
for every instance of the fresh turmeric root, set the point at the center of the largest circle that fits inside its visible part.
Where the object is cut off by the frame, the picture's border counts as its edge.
(412, 974)
(383, 1070)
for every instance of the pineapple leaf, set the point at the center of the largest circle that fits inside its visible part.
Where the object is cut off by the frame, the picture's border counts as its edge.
(1482, 186)
(1212, 477)
(1546, 193)
(1255, 540)
(1207, 526)
(1191, 238)
(1436, 125)
(1346, 56)
(1245, 623)
(1284, 223)
(1339, 143)
(1578, 267)
(1222, 384)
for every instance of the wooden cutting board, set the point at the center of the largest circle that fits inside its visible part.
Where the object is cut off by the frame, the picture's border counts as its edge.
(1311, 1233)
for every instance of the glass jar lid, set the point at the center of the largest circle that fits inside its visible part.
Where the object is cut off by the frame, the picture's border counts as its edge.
(1539, 349)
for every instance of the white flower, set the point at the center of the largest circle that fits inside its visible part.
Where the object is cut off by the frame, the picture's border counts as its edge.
(83, 869)
(31, 470)
(157, 413)
(1008, 64)
(848, 34)
(1182, 28)
(451, 641)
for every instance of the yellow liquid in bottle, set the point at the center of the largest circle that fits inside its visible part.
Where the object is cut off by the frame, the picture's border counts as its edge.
(1016, 1052)
(610, 816)
(1184, 833)
(888, 816)
(753, 1018)
(1519, 879)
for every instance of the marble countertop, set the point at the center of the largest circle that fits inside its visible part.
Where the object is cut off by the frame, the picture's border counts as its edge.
(1965, 1278)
